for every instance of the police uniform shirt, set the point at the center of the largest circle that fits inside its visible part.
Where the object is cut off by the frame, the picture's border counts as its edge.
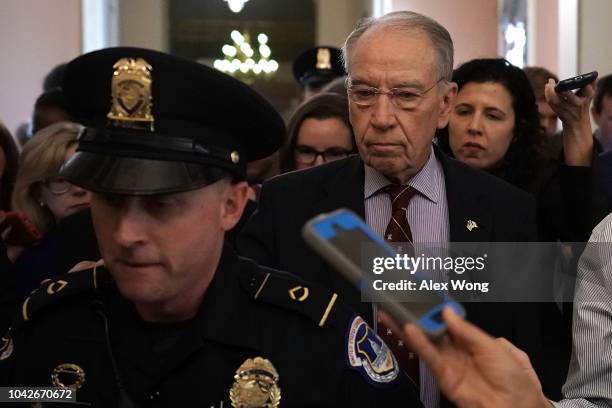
(324, 355)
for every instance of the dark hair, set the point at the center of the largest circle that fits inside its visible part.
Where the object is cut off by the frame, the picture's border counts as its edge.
(538, 78)
(53, 98)
(54, 78)
(7, 182)
(519, 161)
(603, 89)
(320, 106)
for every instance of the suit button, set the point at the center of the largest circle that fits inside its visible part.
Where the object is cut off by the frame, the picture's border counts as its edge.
(154, 396)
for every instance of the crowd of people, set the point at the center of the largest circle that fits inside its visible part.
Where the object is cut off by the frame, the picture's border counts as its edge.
(155, 241)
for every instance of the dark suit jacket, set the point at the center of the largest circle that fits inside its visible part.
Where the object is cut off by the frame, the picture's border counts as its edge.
(273, 234)
(603, 168)
(504, 214)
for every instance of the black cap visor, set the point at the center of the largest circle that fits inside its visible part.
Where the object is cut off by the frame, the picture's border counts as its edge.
(137, 176)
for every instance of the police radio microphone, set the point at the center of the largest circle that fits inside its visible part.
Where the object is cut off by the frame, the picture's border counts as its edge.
(124, 398)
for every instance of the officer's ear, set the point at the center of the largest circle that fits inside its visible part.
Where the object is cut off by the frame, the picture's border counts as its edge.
(235, 197)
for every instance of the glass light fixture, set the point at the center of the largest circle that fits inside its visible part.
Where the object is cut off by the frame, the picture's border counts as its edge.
(236, 5)
(241, 60)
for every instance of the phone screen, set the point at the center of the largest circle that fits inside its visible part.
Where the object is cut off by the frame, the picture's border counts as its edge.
(350, 245)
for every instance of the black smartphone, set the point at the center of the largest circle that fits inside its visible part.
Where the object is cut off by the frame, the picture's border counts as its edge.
(576, 82)
(341, 238)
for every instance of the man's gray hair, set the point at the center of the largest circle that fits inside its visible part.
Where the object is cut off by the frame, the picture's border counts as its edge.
(407, 20)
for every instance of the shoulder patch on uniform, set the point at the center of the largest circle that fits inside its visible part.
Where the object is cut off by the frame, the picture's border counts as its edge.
(64, 286)
(368, 354)
(6, 347)
(284, 290)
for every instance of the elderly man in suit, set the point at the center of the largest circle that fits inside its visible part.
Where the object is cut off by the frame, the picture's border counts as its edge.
(400, 92)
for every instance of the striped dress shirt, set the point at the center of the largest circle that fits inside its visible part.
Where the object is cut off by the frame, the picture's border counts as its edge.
(427, 215)
(589, 380)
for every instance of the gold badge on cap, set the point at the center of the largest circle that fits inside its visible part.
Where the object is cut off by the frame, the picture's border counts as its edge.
(68, 376)
(323, 59)
(471, 224)
(235, 157)
(131, 94)
(255, 385)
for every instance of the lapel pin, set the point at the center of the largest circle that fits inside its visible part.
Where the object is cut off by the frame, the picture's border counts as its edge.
(471, 224)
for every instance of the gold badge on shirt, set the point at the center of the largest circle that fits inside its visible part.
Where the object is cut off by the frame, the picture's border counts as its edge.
(131, 94)
(255, 385)
(68, 375)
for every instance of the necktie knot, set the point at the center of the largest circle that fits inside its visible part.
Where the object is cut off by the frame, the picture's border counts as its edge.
(400, 195)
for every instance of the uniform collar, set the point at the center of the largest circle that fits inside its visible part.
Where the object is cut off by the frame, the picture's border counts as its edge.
(227, 312)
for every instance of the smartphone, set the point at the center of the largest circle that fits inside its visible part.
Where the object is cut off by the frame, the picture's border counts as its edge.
(21, 231)
(340, 238)
(576, 82)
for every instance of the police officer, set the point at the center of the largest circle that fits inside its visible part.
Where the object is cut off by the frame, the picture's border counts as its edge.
(172, 316)
(316, 67)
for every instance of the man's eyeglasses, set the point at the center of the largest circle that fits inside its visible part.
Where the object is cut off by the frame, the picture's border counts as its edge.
(403, 98)
(308, 155)
(58, 185)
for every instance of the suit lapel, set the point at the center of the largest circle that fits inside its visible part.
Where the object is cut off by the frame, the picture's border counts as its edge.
(470, 219)
(344, 189)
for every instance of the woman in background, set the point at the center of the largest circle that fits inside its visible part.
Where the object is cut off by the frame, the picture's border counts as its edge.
(9, 156)
(44, 197)
(494, 126)
(39, 192)
(319, 131)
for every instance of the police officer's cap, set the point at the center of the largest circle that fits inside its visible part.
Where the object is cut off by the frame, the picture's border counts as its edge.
(157, 123)
(318, 65)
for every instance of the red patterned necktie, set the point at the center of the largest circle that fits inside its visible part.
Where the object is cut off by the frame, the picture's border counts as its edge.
(398, 230)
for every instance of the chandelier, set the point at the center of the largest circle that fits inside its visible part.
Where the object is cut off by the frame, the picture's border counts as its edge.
(241, 60)
(236, 5)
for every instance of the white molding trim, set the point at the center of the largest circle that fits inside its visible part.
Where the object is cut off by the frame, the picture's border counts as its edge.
(100, 24)
(381, 7)
(568, 38)
(532, 18)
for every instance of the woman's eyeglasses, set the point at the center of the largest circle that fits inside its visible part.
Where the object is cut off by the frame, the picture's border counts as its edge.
(308, 155)
(58, 185)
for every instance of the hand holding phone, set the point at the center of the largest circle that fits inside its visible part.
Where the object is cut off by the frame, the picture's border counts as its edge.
(340, 238)
(16, 229)
(576, 82)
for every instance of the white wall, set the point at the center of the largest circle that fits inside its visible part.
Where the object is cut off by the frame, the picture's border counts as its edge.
(144, 23)
(34, 37)
(471, 23)
(337, 18)
(595, 36)
(545, 41)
